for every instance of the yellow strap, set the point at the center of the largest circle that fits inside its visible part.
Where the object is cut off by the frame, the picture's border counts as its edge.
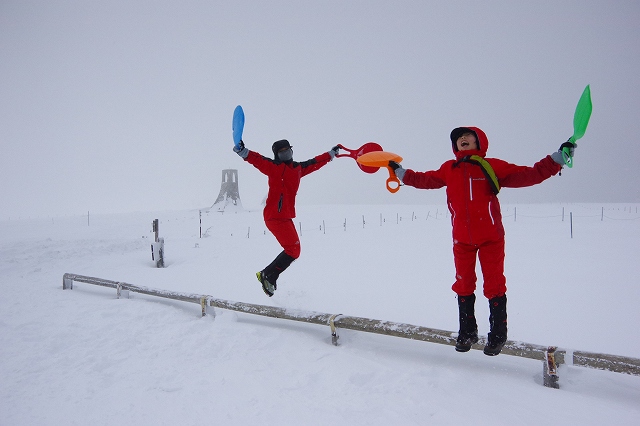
(488, 172)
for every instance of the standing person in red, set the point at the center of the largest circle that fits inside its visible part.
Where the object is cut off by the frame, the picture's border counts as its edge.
(473, 183)
(284, 176)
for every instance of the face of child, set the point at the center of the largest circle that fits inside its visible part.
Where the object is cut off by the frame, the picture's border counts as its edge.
(467, 141)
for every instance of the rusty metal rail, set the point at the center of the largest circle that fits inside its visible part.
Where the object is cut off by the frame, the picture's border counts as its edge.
(549, 355)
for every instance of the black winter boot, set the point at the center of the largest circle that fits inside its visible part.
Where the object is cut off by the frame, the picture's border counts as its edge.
(468, 333)
(498, 322)
(275, 268)
(267, 287)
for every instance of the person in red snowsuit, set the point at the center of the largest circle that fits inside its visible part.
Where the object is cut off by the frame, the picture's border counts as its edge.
(284, 176)
(473, 183)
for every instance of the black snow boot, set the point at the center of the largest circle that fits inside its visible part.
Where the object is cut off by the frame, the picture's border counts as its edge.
(267, 287)
(498, 323)
(468, 333)
(275, 268)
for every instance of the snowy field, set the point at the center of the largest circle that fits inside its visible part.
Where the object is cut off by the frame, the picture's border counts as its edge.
(81, 356)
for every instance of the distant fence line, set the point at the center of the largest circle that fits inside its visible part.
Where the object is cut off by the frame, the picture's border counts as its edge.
(563, 214)
(363, 221)
(550, 355)
(321, 226)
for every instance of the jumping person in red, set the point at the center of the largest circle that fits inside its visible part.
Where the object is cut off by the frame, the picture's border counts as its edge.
(284, 176)
(473, 183)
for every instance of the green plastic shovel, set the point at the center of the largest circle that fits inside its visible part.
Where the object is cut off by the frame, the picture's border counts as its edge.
(580, 123)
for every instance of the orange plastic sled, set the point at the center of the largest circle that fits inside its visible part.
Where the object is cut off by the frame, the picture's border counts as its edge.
(381, 159)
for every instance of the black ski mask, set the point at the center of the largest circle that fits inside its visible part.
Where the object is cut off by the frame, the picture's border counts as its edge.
(282, 150)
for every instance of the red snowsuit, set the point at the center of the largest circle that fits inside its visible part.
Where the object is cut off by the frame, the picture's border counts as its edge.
(284, 180)
(475, 211)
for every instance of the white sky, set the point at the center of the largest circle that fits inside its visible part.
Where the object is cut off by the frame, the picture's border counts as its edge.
(114, 106)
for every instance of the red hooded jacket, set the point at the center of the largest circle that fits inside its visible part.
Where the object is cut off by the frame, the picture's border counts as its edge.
(475, 209)
(284, 180)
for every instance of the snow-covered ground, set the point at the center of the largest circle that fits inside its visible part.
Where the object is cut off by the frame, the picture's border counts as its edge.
(84, 357)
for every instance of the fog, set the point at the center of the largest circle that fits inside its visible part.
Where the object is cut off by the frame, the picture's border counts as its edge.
(118, 106)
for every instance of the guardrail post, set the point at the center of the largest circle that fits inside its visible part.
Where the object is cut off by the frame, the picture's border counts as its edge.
(550, 369)
(334, 331)
(120, 292)
(207, 309)
(67, 283)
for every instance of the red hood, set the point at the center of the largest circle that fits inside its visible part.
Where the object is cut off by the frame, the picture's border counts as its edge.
(483, 143)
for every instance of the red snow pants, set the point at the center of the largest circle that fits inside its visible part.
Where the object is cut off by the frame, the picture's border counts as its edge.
(491, 255)
(285, 232)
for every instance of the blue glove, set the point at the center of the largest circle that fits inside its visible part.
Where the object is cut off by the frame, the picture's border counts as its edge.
(334, 151)
(397, 169)
(241, 150)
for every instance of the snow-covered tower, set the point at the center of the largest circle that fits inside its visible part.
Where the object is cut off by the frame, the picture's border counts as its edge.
(229, 193)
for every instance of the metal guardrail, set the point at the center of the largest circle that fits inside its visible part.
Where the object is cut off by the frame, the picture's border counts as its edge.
(550, 355)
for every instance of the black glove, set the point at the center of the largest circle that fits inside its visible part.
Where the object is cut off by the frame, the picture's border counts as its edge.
(334, 151)
(397, 169)
(569, 145)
